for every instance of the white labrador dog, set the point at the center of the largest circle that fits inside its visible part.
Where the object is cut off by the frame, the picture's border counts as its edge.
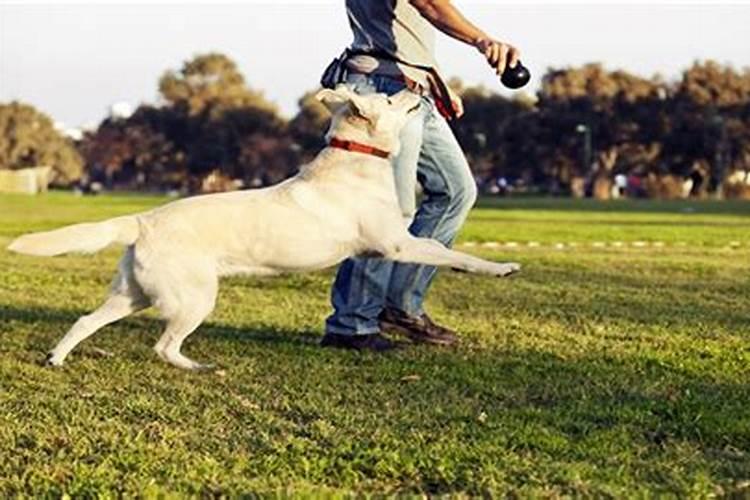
(341, 204)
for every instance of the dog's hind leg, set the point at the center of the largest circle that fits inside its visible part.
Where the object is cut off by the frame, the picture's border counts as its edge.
(126, 297)
(428, 251)
(186, 310)
(178, 329)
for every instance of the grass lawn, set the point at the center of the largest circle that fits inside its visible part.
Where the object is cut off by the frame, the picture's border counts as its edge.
(598, 371)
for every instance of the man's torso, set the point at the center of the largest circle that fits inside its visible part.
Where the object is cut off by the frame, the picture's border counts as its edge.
(395, 27)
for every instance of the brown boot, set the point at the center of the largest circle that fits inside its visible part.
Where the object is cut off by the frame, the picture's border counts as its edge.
(419, 329)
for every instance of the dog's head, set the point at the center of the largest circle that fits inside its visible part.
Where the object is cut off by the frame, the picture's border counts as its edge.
(373, 119)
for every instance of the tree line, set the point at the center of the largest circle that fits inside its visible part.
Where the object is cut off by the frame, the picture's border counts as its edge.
(588, 130)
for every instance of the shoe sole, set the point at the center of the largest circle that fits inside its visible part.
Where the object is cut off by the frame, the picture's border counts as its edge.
(335, 345)
(420, 339)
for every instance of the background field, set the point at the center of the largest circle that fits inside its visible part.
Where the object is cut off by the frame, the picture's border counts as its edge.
(617, 363)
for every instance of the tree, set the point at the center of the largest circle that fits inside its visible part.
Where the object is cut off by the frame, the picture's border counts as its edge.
(594, 82)
(308, 127)
(711, 84)
(28, 139)
(483, 132)
(219, 113)
(212, 124)
(135, 152)
(211, 83)
(711, 129)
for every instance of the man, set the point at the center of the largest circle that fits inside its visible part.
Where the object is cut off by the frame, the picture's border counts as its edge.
(393, 49)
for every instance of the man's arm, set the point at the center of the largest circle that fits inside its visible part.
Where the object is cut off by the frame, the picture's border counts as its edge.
(447, 18)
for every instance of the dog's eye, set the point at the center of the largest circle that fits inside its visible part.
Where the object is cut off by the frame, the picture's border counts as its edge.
(412, 110)
(355, 113)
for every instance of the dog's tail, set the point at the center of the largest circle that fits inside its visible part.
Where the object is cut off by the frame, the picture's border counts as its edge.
(81, 238)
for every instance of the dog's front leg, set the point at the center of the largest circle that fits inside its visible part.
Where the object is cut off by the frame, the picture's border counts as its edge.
(432, 252)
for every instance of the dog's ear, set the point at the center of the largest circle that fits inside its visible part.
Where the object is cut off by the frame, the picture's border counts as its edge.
(334, 99)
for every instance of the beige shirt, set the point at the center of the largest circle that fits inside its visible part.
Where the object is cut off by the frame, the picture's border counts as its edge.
(396, 27)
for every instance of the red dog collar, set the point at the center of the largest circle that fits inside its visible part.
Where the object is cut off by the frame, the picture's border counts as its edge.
(358, 147)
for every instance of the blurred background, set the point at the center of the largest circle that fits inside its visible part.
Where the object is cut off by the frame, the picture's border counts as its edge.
(627, 100)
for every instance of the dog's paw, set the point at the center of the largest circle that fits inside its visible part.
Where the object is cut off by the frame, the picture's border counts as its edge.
(51, 361)
(508, 269)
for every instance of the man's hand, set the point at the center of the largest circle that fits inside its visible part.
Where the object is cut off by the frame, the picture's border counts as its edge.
(457, 102)
(498, 54)
(446, 17)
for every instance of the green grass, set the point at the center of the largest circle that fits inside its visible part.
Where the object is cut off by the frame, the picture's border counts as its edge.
(596, 372)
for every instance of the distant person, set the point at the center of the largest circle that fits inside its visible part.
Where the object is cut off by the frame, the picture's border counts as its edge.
(393, 49)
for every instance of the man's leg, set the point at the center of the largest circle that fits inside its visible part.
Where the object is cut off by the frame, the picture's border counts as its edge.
(358, 294)
(449, 193)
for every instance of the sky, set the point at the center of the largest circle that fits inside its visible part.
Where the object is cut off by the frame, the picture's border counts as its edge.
(73, 61)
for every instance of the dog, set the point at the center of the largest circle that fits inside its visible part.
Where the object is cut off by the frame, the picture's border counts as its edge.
(340, 205)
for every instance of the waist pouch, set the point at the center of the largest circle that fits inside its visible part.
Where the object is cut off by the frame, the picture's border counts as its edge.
(336, 71)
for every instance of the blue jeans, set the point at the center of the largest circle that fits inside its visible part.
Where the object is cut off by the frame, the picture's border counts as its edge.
(431, 155)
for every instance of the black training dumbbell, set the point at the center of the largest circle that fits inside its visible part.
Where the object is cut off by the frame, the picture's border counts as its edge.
(517, 77)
